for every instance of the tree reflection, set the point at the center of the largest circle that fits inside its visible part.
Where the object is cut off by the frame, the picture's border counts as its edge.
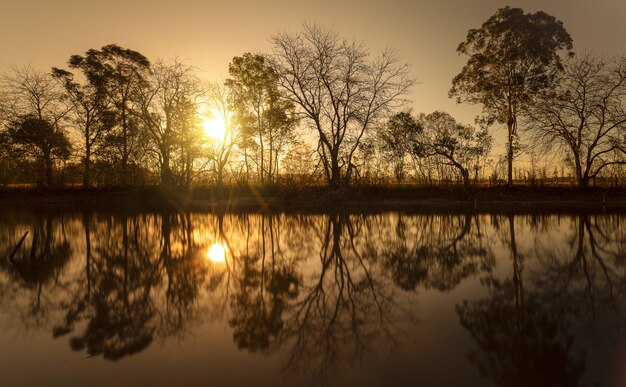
(321, 292)
(526, 330)
(345, 310)
(120, 309)
(184, 269)
(439, 253)
(586, 276)
(38, 267)
(265, 283)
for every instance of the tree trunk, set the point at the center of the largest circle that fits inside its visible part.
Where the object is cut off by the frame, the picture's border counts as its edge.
(509, 156)
(87, 169)
(466, 179)
(245, 156)
(517, 272)
(335, 173)
(510, 125)
(124, 177)
(48, 168)
(166, 176)
(220, 177)
(270, 159)
(87, 252)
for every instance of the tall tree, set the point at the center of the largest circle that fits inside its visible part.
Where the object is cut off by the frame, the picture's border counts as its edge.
(512, 57)
(267, 119)
(120, 73)
(168, 107)
(584, 117)
(220, 148)
(91, 114)
(340, 90)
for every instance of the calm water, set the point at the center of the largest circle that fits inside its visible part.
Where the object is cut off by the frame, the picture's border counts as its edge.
(394, 299)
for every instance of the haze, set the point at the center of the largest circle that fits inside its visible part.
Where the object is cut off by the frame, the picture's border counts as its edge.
(209, 34)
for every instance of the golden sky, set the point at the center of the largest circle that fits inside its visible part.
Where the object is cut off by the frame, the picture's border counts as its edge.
(44, 33)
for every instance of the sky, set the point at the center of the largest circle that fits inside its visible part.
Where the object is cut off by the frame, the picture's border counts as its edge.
(208, 34)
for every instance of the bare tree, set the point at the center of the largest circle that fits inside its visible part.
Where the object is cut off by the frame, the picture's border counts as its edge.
(29, 92)
(340, 90)
(585, 116)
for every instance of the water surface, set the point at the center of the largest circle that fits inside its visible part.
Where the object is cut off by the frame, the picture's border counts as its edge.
(105, 298)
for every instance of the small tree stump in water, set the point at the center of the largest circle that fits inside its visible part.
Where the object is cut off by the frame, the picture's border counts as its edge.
(17, 247)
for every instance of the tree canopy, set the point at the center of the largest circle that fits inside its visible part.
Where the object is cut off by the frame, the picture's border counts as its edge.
(512, 57)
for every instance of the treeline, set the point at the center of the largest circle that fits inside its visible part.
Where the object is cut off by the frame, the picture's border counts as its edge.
(318, 109)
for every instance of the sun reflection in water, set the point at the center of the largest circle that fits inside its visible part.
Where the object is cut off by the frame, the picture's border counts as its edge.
(217, 253)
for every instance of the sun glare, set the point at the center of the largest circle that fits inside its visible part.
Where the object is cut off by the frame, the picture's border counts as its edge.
(214, 126)
(217, 253)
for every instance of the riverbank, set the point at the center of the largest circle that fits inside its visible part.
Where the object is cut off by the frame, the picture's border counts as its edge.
(320, 199)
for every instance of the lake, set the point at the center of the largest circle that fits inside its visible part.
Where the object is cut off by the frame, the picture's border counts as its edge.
(107, 298)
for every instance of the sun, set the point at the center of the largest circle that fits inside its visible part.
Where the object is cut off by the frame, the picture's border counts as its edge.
(214, 125)
(217, 253)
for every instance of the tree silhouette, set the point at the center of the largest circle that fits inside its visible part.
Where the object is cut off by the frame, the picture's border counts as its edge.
(220, 150)
(265, 283)
(512, 57)
(119, 73)
(43, 141)
(36, 269)
(440, 256)
(521, 343)
(460, 146)
(584, 116)
(168, 103)
(522, 339)
(90, 114)
(119, 313)
(396, 140)
(344, 310)
(341, 92)
(267, 120)
(34, 98)
(585, 277)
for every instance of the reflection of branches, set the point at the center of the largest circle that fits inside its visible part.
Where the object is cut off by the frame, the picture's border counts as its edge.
(183, 269)
(586, 276)
(522, 342)
(531, 350)
(262, 293)
(119, 322)
(440, 252)
(525, 329)
(38, 266)
(343, 312)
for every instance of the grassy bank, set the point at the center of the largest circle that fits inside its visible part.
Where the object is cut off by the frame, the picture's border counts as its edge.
(320, 199)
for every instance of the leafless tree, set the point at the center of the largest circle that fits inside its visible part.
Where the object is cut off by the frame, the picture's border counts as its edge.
(585, 116)
(31, 92)
(340, 90)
